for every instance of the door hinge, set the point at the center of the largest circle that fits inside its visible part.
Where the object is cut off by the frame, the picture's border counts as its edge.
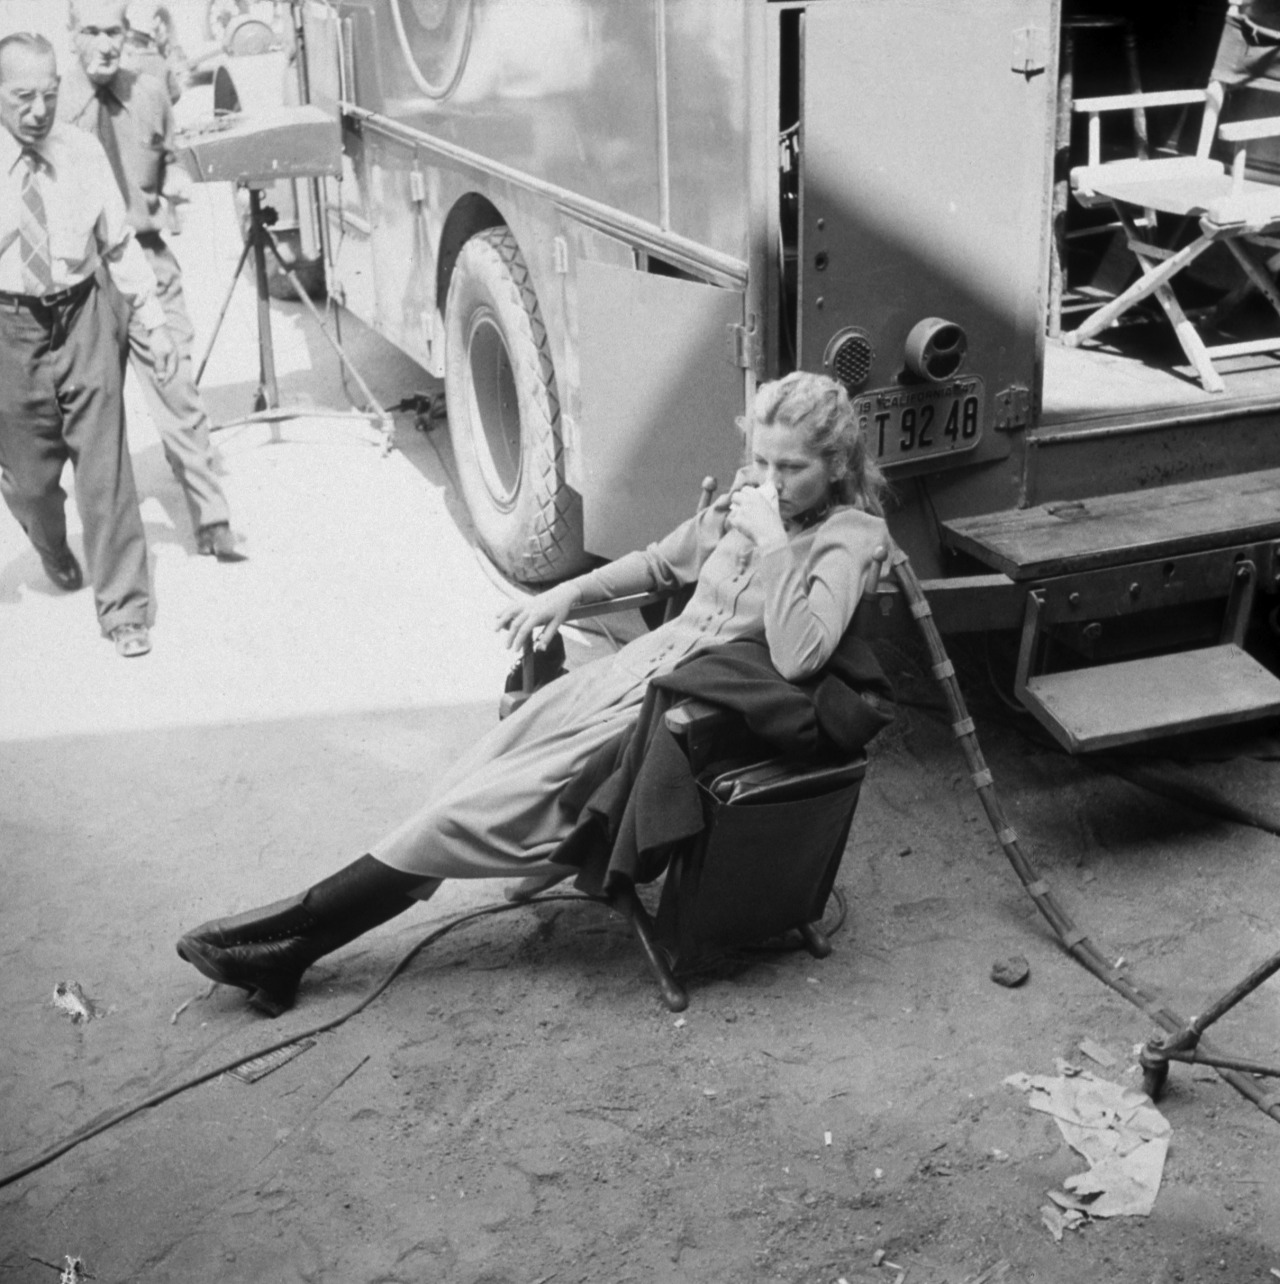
(744, 347)
(1030, 51)
(1013, 408)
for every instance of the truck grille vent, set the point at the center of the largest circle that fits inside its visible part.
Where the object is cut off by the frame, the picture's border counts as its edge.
(849, 356)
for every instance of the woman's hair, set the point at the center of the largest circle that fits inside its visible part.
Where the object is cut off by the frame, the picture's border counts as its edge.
(820, 407)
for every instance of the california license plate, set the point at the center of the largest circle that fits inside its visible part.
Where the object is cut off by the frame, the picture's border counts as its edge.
(904, 424)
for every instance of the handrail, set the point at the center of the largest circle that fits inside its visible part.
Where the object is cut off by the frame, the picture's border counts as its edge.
(711, 265)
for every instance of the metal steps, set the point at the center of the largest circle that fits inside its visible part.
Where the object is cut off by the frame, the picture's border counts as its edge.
(1087, 564)
(1138, 700)
(1067, 537)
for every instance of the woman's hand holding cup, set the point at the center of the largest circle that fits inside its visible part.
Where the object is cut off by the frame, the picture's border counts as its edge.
(753, 511)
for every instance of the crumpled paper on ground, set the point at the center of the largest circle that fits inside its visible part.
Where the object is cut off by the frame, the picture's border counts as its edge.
(1117, 1129)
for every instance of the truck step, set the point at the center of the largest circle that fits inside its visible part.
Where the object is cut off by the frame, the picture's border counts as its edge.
(1138, 700)
(1066, 537)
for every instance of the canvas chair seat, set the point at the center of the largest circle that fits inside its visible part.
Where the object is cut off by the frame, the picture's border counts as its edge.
(1186, 186)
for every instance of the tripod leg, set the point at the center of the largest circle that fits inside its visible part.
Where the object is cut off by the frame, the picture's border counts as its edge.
(268, 390)
(222, 312)
(375, 408)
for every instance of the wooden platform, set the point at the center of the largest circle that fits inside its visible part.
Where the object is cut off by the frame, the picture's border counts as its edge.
(1066, 537)
(1140, 700)
(1103, 382)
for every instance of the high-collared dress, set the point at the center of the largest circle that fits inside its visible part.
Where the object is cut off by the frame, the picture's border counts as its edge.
(61, 367)
(142, 123)
(496, 813)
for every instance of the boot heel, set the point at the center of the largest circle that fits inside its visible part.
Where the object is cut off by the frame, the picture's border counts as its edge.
(275, 1002)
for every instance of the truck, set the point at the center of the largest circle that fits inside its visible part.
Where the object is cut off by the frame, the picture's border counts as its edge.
(603, 222)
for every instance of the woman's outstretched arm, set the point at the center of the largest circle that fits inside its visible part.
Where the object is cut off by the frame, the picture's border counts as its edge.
(672, 561)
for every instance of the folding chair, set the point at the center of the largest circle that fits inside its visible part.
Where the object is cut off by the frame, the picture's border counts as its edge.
(763, 867)
(774, 836)
(1232, 208)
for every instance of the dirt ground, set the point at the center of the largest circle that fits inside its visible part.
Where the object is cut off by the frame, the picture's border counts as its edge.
(519, 1107)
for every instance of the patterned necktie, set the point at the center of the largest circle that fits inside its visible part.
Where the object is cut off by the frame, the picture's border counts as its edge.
(33, 231)
(107, 136)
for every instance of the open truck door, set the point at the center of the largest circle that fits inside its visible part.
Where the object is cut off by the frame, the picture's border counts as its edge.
(660, 391)
(925, 170)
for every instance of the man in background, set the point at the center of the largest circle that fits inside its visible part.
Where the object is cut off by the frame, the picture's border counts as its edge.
(150, 48)
(62, 348)
(131, 115)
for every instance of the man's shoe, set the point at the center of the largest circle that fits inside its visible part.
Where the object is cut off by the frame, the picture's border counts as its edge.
(216, 540)
(64, 571)
(131, 640)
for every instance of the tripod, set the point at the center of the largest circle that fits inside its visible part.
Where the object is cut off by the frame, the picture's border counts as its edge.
(267, 407)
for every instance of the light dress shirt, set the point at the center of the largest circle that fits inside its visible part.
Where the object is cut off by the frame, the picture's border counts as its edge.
(803, 592)
(87, 221)
(144, 131)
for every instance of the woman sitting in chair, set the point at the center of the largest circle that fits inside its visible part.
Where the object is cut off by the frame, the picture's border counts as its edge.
(784, 557)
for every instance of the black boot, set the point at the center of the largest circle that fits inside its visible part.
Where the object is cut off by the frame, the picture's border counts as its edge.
(266, 951)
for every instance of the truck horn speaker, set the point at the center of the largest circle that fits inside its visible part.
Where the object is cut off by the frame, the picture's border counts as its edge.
(935, 349)
(849, 356)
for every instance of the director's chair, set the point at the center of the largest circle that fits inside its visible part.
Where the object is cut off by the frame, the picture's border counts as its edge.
(775, 828)
(1232, 208)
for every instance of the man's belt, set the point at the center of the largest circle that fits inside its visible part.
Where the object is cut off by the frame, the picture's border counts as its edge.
(58, 299)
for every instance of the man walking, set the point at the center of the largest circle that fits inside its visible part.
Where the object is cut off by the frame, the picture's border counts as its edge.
(61, 349)
(131, 115)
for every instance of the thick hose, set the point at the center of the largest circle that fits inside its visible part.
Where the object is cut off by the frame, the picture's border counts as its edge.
(1074, 938)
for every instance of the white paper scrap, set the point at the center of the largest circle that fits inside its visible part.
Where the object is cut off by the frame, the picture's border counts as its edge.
(1117, 1129)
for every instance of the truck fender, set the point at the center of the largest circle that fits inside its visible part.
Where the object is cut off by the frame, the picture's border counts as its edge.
(470, 214)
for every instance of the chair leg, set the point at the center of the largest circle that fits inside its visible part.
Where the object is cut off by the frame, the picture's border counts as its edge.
(1189, 338)
(627, 903)
(1234, 298)
(815, 940)
(1259, 274)
(1152, 279)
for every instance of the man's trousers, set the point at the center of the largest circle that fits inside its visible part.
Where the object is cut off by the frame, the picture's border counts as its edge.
(176, 406)
(62, 397)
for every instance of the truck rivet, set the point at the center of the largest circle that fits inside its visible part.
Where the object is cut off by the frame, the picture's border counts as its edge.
(1093, 631)
(819, 303)
(1073, 599)
(1135, 589)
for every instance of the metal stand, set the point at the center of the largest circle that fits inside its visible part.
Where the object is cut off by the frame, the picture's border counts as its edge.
(267, 407)
(1185, 1044)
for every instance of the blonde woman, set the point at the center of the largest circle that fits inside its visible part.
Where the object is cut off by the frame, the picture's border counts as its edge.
(784, 558)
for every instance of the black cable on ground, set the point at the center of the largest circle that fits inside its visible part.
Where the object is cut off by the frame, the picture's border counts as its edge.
(157, 1098)
(1075, 939)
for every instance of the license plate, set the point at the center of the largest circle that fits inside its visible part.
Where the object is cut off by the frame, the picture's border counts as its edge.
(901, 425)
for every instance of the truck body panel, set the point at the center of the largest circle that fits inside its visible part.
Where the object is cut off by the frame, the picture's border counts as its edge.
(707, 193)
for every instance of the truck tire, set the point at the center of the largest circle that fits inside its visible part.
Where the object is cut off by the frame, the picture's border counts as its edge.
(504, 415)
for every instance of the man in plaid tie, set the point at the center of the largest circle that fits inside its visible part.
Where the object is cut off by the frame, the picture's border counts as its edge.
(62, 344)
(131, 116)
